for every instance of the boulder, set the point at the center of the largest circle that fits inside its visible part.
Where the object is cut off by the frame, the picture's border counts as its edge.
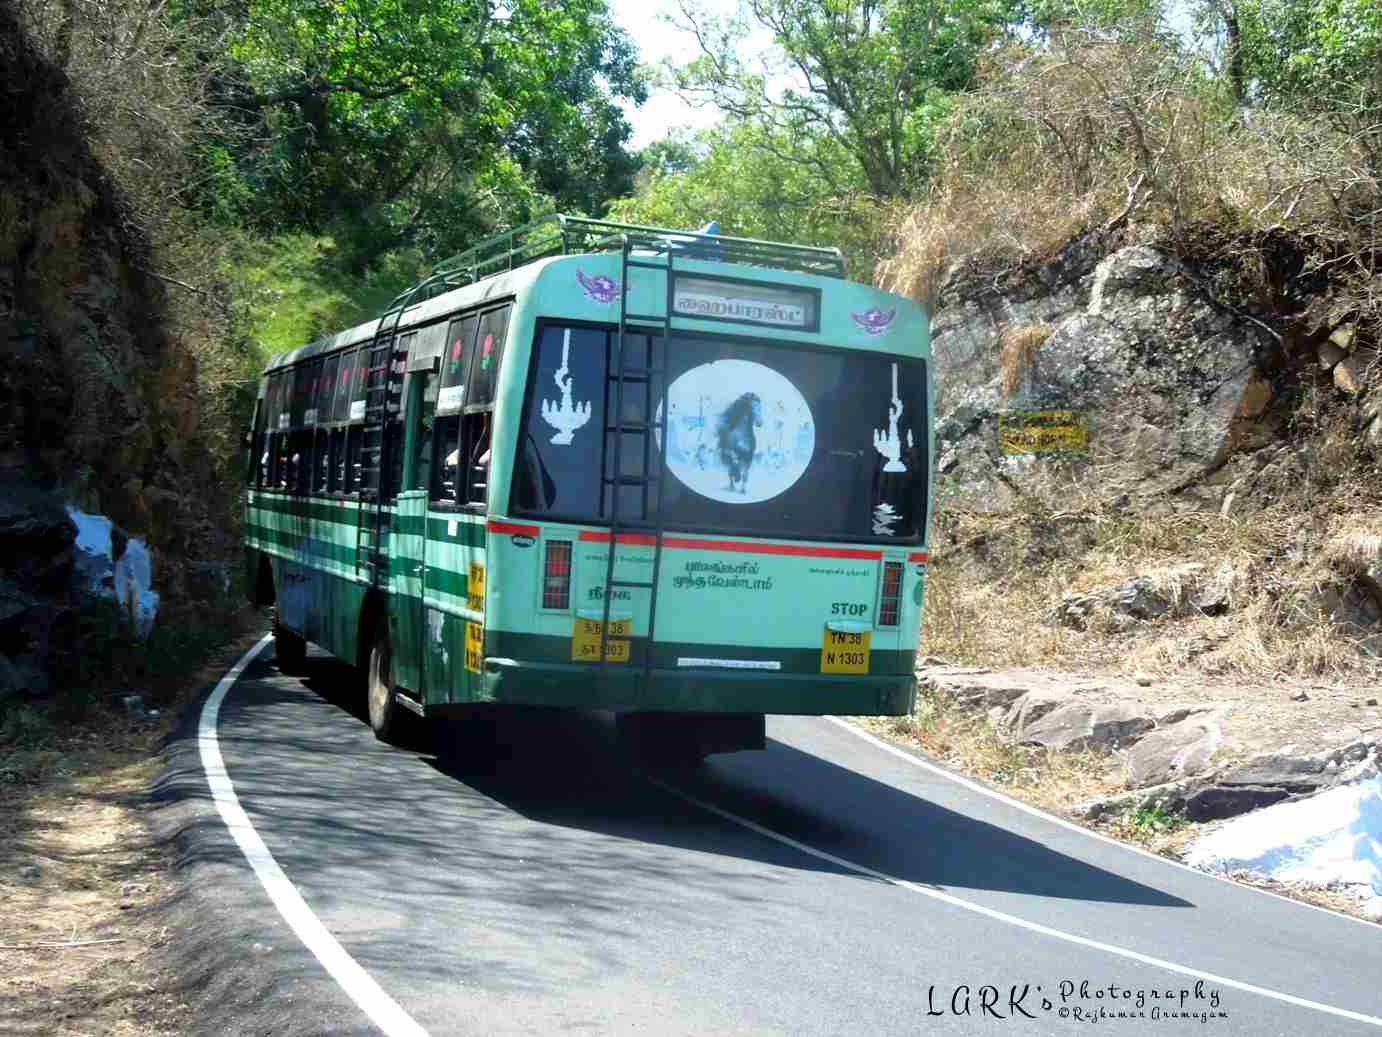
(1080, 725)
(1350, 373)
(1341, 338)
(1169, 797)
(1179, 750)
(1216, 802)
(1030, 708)
(36, 534)
(1330, 354)
(1282, 771)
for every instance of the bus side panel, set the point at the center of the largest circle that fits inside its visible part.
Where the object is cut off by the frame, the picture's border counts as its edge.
(513, 582)
(454, 542)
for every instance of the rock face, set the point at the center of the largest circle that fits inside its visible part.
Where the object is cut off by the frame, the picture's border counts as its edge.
(1184, 589)
(99, 404)
(1169, 380)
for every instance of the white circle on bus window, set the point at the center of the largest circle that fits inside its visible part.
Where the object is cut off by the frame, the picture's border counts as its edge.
(739, 431)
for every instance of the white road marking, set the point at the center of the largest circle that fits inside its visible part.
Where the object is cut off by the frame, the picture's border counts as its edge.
(1027, 808)
(382, 1010)
(1000, 916)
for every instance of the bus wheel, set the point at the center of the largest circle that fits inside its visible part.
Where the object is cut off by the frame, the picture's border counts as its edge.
(290, 649)
(384, 710)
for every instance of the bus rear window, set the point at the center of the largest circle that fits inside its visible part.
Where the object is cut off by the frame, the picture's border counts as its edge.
(764, 437)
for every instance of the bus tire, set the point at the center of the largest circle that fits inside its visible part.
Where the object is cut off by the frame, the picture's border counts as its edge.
(385, 718)
(290, 649)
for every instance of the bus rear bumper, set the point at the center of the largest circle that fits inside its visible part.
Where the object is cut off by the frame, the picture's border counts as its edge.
(698, 690)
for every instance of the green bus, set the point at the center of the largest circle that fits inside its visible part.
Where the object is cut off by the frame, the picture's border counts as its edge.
(682, 477)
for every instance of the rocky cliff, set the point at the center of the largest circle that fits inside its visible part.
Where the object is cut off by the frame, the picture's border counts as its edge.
(99, 408)
(1192, 401)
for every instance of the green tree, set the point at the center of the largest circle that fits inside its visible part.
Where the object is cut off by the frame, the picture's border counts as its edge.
(804, 190)
(1297, 52)
(399, 122)
(870, 76)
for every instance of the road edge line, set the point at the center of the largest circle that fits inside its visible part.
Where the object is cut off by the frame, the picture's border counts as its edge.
(1045, 815)
(359, 985)
(1013, 920)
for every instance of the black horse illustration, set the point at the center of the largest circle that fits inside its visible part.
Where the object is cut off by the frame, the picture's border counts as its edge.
(736, 439)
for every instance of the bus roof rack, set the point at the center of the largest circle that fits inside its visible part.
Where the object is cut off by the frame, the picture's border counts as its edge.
(560, 235)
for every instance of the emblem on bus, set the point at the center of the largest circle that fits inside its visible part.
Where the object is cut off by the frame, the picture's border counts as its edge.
(566, 417)
(598, 289)
(522, 540)
(889, 444)
(874, 321)
(739, 432)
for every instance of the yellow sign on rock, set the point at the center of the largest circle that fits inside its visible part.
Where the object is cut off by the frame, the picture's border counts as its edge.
(1043, 431)
(475, 588)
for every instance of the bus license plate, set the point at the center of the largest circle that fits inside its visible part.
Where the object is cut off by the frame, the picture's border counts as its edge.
(845, 652)
(474, 647)
(585, 641)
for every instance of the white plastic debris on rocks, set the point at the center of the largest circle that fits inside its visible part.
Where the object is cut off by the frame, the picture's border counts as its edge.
(1332, 839)
(94, 555)
(128, 580)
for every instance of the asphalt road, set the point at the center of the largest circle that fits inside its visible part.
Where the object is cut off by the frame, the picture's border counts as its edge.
(554, 887)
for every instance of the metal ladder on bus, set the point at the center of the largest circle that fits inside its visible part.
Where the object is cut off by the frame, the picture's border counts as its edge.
(383, 402)
(651, 375)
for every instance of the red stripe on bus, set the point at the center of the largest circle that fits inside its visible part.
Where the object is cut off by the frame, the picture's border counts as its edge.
(800, 550)
(495, 526)
(591, 537)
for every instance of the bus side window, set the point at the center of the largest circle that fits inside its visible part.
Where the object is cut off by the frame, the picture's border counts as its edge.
(474, 440)
(474, 444)
(255, 467)
(426, 420)
(321, 462)
(446, 474)
(446, 450)
(337, 461)
(281, 466)
(354, 447)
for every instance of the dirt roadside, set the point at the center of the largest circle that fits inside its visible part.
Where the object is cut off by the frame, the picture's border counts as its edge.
(85, 886)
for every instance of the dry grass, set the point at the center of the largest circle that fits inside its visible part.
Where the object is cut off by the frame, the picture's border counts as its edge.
(1286, 574)
(1118, 126)
(1017, 348)
(969, 744)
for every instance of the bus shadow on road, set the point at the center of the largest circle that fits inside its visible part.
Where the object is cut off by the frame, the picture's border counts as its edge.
(565, 768)
(547, 836)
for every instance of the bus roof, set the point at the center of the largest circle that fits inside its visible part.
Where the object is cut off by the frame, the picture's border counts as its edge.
(503, 265)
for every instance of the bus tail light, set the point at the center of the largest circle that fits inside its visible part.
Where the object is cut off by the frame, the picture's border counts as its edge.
(556, 575)
(890, 606)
